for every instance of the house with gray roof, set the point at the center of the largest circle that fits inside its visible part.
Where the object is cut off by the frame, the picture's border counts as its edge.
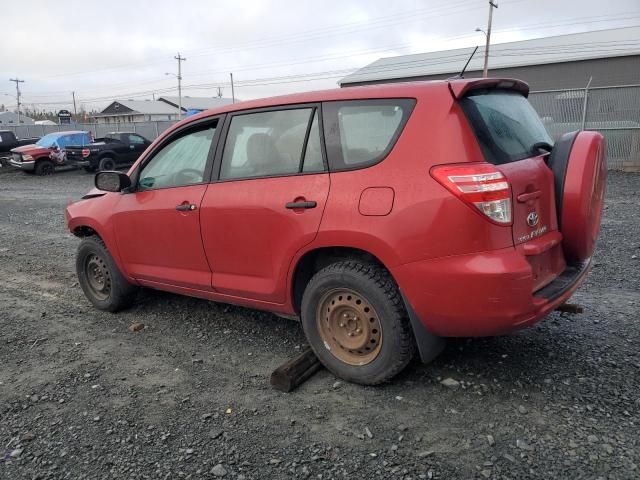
(126, 111)
(197, 103)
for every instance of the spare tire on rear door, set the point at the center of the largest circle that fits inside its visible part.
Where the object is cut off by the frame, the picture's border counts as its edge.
(579, 166)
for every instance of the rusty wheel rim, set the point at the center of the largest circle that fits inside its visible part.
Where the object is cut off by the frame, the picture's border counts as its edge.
(98, 277)
(349, 326)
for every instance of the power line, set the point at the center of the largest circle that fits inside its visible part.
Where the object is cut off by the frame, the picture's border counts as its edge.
(303, 36)
(400, 65)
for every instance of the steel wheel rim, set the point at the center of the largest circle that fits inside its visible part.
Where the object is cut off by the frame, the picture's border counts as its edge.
(98, 277)
(47, 169)
(108, 165)
(349, 326)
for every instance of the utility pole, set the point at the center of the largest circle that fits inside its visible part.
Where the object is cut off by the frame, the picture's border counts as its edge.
(492, 5)
(18, 82)
(233, 93)
(180, 60)
(219, 92)
(75, 111)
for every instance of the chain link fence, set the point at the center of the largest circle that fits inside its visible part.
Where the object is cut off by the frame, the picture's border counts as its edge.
(149, 130)
(613, 111)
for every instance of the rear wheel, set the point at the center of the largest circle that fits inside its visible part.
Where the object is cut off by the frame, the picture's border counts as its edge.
(107, 163)
(100, 279)
(45, 167)
(356, 323)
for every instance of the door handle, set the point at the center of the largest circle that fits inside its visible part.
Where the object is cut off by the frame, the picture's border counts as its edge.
(185, 207)
(304, 204)
(525, 197)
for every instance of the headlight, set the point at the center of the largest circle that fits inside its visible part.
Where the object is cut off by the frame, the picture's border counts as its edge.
(26, 158)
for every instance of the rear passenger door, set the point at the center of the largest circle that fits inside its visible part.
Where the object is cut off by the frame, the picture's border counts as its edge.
(267, 202)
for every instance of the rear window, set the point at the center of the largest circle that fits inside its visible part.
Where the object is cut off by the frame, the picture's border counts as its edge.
(505, 124)
(360, 133)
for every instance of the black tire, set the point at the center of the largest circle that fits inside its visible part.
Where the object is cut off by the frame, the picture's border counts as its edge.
(106, 163)
(90, 169)
(558, 163)
(117, 293)
(45, 167)
(375, 287)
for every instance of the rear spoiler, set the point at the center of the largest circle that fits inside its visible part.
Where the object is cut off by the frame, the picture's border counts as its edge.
(462, 88)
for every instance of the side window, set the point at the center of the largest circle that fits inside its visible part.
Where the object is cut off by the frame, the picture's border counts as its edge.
(360, 133)
(265, 144)
(135, 140)
(179, 163)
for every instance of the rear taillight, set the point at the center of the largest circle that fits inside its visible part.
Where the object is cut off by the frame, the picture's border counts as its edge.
(85, 152)
(479, 185)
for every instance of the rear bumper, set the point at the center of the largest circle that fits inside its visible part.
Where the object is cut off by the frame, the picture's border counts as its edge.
(30, 165)
(482, 294)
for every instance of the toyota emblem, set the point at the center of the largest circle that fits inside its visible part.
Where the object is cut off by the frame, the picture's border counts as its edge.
(532, 219)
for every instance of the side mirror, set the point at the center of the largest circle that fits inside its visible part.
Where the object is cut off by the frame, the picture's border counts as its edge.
(112, 181)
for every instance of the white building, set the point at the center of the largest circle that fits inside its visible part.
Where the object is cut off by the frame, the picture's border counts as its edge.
(126, 111)
(165, 108)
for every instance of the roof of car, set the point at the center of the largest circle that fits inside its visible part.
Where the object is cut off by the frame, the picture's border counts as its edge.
(390, 90)
(68, 132)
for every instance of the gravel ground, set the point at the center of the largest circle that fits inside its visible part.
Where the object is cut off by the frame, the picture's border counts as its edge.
(82, 396)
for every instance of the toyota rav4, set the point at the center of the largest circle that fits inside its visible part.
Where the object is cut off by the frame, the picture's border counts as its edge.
(385, 217)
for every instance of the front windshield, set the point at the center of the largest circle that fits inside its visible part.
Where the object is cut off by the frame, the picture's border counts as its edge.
(47, 141)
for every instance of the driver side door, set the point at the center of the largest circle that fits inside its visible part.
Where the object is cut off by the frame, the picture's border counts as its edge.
(157, 225)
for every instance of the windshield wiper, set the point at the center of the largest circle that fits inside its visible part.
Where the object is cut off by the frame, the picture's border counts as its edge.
(536, 147)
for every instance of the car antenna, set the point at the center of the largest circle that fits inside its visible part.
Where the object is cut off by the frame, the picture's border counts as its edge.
(461, 74)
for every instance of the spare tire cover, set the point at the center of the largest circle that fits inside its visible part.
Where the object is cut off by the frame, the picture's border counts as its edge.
(580, 172)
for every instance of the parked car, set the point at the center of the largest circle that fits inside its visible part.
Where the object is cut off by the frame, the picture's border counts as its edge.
(116, 149)
(46, 154)
(8, 141)
(386, 217)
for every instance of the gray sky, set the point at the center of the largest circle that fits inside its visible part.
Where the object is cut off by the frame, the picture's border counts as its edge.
(122, 49)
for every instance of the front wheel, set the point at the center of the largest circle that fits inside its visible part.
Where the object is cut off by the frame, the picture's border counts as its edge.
(100, 279)
(44, 167)
(355, 321)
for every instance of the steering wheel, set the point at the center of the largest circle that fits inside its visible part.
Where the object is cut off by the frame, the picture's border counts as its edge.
(187, 176)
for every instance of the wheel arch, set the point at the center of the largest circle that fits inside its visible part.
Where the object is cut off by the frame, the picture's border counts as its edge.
(429, 345)
(83, 227)
(106, 153)
(316, 259)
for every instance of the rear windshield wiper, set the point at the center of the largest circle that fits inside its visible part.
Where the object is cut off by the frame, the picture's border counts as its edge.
(536, 147)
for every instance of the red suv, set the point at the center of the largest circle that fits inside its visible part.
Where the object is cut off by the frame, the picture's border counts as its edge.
(385, 217)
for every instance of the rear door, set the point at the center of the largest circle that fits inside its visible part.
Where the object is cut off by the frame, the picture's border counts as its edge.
(268, 201)
(513, 138)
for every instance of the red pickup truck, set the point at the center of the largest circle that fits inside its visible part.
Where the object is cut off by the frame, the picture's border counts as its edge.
(46, 154)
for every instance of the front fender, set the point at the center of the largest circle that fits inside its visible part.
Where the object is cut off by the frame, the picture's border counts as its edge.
(89, 214)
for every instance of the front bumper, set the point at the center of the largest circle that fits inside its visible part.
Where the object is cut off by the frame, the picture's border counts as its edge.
(482, 294)
(29, 165)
